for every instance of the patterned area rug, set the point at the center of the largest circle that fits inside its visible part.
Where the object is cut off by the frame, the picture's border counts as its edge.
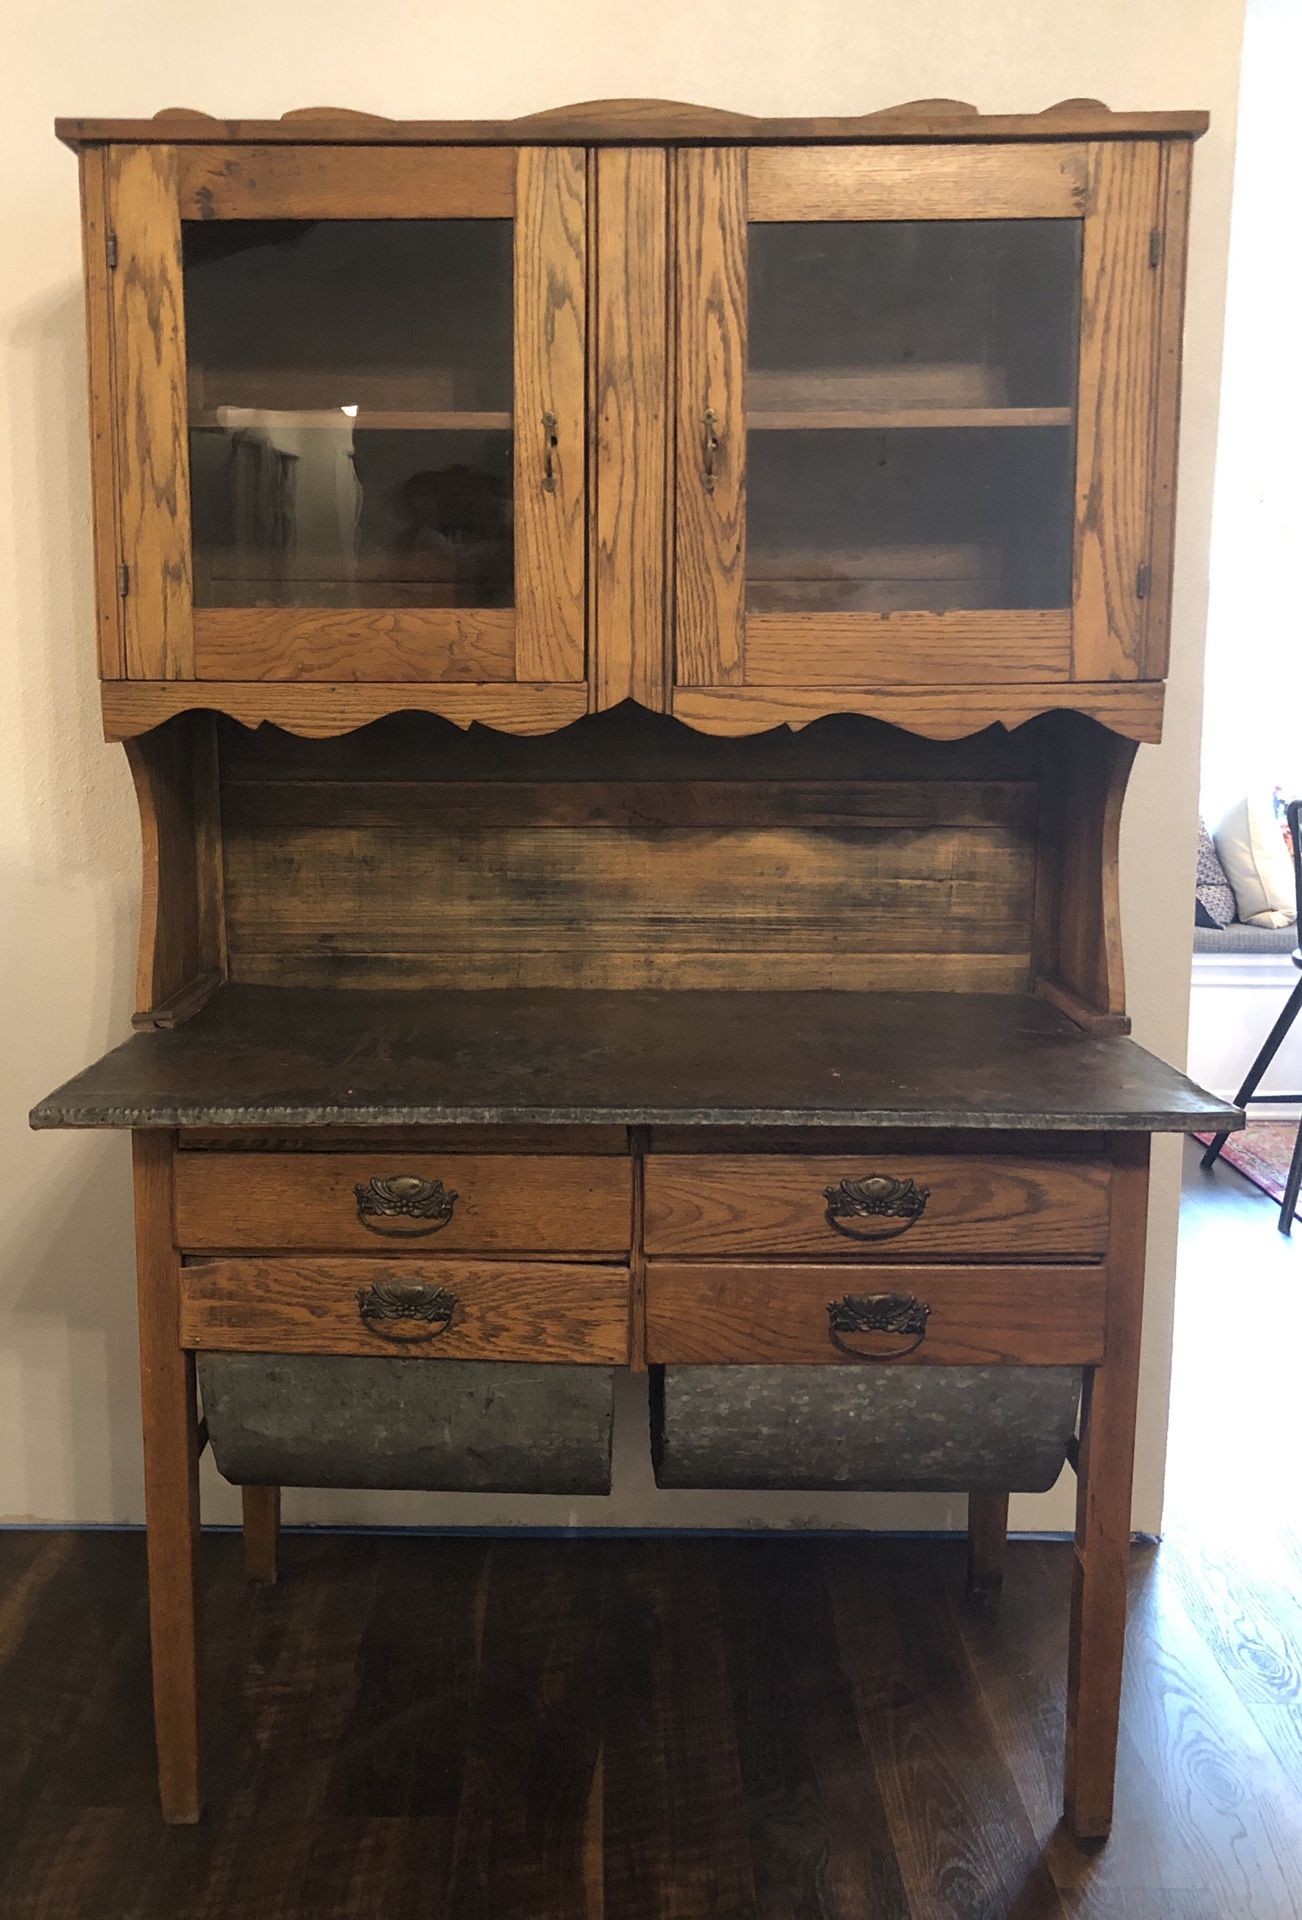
(1261, 1153)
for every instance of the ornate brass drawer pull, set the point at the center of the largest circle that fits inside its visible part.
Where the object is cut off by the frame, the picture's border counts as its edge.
(426, 1205)
(418, 1310)
(893, 1313)
(898, 1204)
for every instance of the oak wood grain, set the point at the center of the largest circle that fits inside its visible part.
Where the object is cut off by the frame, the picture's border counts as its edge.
(631, 427)
(169, 1432)
(1078, 942)
(917, 182)
(182, 940)
(1177, 166)
(209, 855)
(638, 1139)
(1133, 710)
(1096, 1646)
(619, 121)
(576, 1315)
(153, 456)
(344, 644)
(550, 443)
(96, 224)
(710, 487)
(834, 649)
(525, 1203)
(310, 182)
(766, 1204)
(724, 1313)
(318, 711)
(1115, 413)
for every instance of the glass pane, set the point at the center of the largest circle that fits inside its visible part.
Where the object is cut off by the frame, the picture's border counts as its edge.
(911, 414)
(350, 388)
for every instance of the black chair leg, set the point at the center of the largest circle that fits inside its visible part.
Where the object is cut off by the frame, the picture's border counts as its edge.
(1288, 1206)
(1273, 1043)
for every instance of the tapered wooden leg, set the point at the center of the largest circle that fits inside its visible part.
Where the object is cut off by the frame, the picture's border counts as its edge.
(1105, 1470)
(261, 1532)
(987, 1541)
(169, 1424)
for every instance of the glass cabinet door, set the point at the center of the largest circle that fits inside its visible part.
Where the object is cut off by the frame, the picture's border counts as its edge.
(350, 409)
(380, 368)
(890, 453)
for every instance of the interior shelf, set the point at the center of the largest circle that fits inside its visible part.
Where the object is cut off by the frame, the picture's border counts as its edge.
(342, 419)
(834, 419)
(491, 420)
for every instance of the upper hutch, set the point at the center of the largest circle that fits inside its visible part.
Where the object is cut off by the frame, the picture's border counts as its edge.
(457, 487)
(748, 421)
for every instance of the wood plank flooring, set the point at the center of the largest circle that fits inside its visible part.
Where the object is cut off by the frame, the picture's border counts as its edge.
(694, 1729)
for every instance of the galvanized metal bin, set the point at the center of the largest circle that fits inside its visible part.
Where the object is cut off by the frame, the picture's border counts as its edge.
(463, 1426)
(873, 1428)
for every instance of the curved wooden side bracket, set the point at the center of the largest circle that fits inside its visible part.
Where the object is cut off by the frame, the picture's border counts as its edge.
(1079, 963)
(182, 941)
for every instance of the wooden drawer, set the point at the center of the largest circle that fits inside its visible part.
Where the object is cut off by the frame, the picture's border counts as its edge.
(950, 1205)
(438, 1309)
(373, 1202)
(769, 1313)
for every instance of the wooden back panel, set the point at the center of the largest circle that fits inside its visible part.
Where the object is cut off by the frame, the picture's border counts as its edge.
(630, 854)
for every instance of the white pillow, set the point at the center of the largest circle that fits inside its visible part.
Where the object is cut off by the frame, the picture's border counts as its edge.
(1254, 855)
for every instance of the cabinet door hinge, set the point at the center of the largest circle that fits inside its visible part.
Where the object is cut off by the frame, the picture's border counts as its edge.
(1155, 247)
(1141, 580)
(124, 580)
(111, 248)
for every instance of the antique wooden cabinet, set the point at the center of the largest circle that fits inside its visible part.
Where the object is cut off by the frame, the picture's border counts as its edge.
(630, 628)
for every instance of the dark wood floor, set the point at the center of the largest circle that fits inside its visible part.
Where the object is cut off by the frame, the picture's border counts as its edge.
(692, 1729)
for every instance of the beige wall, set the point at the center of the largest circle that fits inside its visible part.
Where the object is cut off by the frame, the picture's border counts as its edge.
(68, 1443)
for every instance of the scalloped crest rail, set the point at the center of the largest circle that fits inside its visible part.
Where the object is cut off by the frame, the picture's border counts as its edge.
(1132, 709)
(645, 120)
